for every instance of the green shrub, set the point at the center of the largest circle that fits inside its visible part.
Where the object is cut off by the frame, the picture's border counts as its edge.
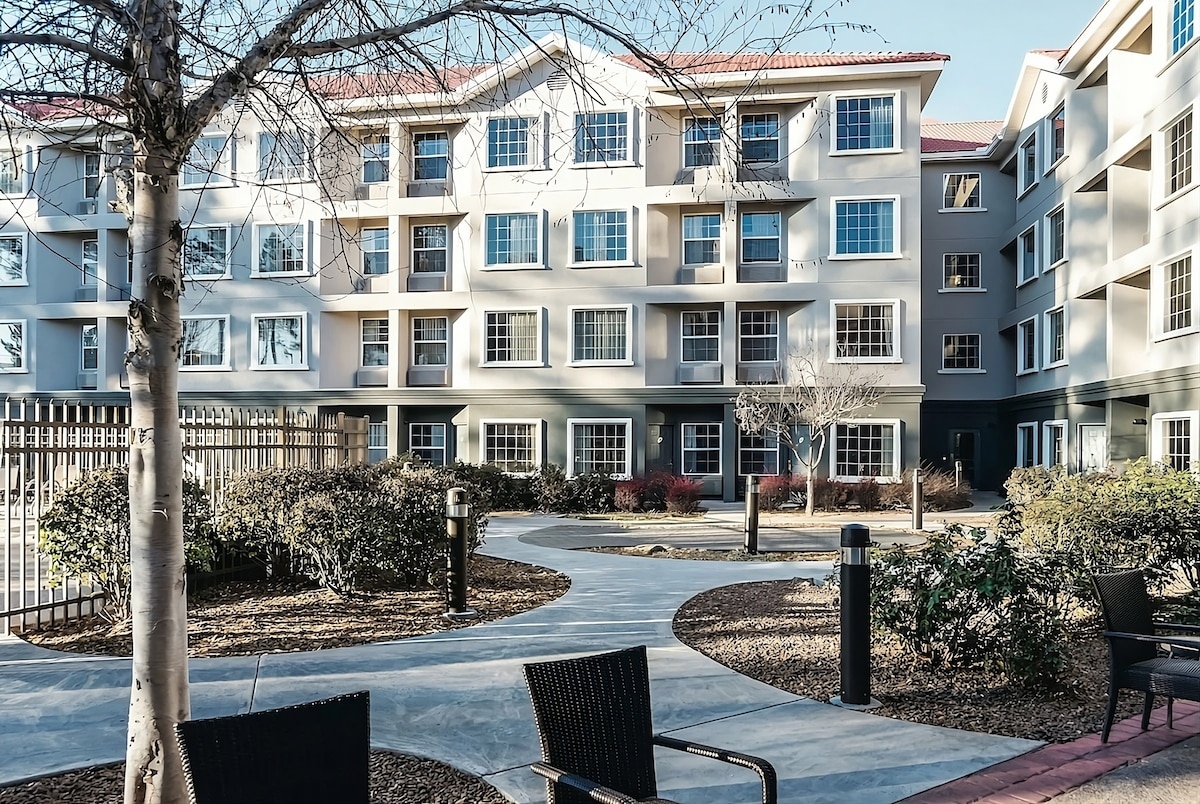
(85, 534)
(684, 496)
(590, 493)
(969, 599)
(550, 492)
(498, 490)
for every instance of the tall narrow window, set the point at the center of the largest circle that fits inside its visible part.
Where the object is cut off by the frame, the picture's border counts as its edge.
(374, 243)
(1178, 307)
(1183, 24)
(376, 154)
(1179, 154)
(865, 124)
(701, 339)
(702, 449)
(1027, 346)
(701, 239)
(1027, 164)
(374, 342)
(1056, 337)
(91, 174)
(89, 347)
(11, 181)
(89, 265)
(1056, 237)
(1058, 134)
(431, 341)
(430, 248)
(1174, 440)
(1027, 450)
(760, 137)
(1054, 444)
(701, 138)
(431, 156)
(1027, 255)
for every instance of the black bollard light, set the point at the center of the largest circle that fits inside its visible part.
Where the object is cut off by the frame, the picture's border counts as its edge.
(457, 514)
(856, 619)
(918, 500)
(750, 531)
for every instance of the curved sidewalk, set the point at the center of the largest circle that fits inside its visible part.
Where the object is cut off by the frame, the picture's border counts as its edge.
(458, 696)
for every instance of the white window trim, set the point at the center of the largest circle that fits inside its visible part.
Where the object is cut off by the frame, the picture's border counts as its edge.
(1036, 458)
(228, 272)
(306, 162)
(1168, 40)
(979, 370)
(1047, 363)
(1161, 137)
(629, 445)
(305, 344)
(222, 172)
(630, 231)
(718, 336)
(536, 135)
(1033, 137)
(897, 447)
(449, 157)
(1048, 233)
(683, 141)
(897, 330)
(631, 129)
(778, 336)
(783, 223)
(1048, 136)
(449, 249)
(363, 252)
(539, 361)
(1157, 422)
(390, 162)
(1037, 254)
(23, 237)
(412, 352)
(306, 229)
(445, 443)
(945, 289)
(780, 130)
(1158, 298)
(538, 265)
(720, 448)
(1037, 350)
(225, 364)
(957, 210)
(897, 110)
(627, 360)
(363, 343)
(20, 158)
(539, 427)
(24, 367)
(83, 348)
(895, 253)
(684, 240)
(1046, 442)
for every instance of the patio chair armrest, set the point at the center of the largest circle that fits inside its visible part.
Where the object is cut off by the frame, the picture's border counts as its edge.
(1190, 643)
(764, 769)
(1189, 629)
(597, 792)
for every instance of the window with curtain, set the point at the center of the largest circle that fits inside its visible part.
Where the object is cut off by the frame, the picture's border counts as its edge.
(601, 236)
(431, 341)
(512, 239)
(282, 249)
(865, 331)
(865, 124)
(512, 337)
(600, 335)
(374, 341)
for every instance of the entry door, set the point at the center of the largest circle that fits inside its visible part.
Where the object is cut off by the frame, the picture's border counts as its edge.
(1093, 447)
(660, 448)
(964, 446)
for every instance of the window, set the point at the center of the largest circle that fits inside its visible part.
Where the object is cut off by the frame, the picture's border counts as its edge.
(961, 352)
(702, 449)
(701, 339)
(601, 236)
(1183, 24)
(865, 227)
(760, 237)
(960, 272)
(91, 175)
(1056, 237)
(12, 346)
(701, 239)
(960, 191)
(701, 137)
(430, 243)
(758, 454)
(758, 336)
(511, 446)
(206, 252)
(376, 153)
(279, 342)
(89, 347)
(1179, 154)
(513, 337)
(510, 142)
(600, 336)
(427, 441)
(205, 162)
(600, 446)
(865, 331)
(431, 156)
(374, 244)
(281, 249)
(377, 441)
(1027, 346)
(374, 341)
(1027, 451)
(283, 156)
(89, 264)
(11, 181)
(1056, 337)
(12, 260)
(431, 341)
(1054, 443)
(1027, 164)
(1175, 440)
(1027, 255)
(601, 137)
(866, 450)
(865, 124)
(205, 342)
(1178, 304)
(513, 239)
(1057, 135)
(760, 137)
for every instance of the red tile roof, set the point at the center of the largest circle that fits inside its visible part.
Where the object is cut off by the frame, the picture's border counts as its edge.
(751, 62)
(363, 85)
(1054, 53)
(946, 137)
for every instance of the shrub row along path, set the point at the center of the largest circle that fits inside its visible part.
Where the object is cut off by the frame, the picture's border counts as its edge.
(458, 696)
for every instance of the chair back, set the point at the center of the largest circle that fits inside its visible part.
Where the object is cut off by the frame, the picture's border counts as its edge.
(1125, 605)
(313, 753)
(593, 719)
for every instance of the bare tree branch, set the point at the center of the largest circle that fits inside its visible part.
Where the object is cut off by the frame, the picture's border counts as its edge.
(108, 9)
(121, 65)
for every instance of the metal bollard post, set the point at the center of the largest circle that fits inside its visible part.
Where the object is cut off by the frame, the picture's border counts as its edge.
(457, 514)
(750, 531)
(918, 500)
(855, 604)
(957, 474)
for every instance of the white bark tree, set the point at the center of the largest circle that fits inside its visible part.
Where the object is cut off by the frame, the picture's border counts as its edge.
(804, 403)
(157, 72)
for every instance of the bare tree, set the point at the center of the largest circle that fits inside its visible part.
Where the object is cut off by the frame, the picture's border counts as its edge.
(811, 394)
(156, 73)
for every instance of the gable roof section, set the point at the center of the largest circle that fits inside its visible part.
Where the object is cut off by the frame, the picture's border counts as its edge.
(947, 137)
(697, 63)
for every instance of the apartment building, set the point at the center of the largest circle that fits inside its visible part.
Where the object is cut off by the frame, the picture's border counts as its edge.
(558, 258)
(1059, 251)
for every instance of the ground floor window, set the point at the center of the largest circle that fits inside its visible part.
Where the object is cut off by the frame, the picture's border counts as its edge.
(702, 449)
(511, 446)
(1175, 440)
(377, 442)
(866, 450)
(600, 445)
(427, 441)
(1054, 443)
(1027, 452)
(758, 454)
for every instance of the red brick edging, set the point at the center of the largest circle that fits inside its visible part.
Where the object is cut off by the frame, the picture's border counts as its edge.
(1051, 770)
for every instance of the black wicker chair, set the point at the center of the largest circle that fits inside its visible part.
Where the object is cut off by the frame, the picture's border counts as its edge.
(313, 753)
(593, 720)
(1139, 658)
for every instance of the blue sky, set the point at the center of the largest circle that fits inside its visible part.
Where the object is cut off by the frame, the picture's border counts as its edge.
(986, 42)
